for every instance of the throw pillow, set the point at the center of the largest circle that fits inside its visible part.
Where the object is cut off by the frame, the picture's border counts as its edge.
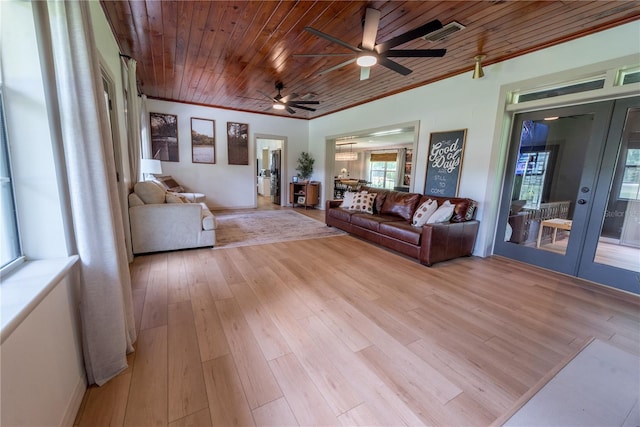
(347, 199)
(149, 192)
(171, 197)
(169, 183)
(423, 213)
(363, 202)
(442, 214)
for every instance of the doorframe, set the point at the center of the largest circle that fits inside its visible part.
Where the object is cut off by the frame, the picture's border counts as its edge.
(284, 170)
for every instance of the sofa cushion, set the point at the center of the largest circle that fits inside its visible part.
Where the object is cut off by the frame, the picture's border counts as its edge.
(370, 222)
(401, 230)
(340, 214)
(442, 214)
(464, 210)
(171, 197)
(134, 200)
(400, 204)
(424, 211)
(149, 192)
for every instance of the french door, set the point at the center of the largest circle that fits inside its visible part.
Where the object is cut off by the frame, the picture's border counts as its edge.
(571, 197)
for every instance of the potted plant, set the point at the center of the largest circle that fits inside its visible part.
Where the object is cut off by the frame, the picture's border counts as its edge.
(305, 166)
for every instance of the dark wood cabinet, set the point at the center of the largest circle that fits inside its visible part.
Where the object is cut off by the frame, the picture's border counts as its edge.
(305, 194)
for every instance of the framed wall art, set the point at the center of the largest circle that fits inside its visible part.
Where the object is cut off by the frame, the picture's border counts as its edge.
(444, 163)
(164, 137)
(238, 143)
(203, 142)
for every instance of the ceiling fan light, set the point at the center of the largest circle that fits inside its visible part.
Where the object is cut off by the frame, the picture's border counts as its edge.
(277, 106)
(366, 60)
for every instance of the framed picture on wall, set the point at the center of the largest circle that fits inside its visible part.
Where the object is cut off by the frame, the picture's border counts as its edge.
(164, 137)
(444, 163)
(238, 143)
(203, 142)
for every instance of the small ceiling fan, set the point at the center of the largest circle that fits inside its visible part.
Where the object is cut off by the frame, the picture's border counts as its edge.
(288, 102)
(369, 53)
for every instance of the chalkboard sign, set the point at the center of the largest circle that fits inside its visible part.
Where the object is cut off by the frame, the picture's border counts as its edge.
(444, 163)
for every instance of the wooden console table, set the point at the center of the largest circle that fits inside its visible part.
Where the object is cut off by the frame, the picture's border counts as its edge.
(305, 194)
(555, 223)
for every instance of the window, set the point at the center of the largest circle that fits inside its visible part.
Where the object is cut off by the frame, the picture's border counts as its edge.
(383, 174)
(10, 251)
(630, 188)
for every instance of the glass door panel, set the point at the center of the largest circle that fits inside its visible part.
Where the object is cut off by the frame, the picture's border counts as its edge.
(612, 248)
(551, 169)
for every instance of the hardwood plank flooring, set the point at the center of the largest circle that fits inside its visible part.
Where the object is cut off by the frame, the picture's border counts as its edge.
(338, 331)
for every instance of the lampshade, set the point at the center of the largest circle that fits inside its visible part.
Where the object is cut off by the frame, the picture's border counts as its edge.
(150, 166)
(477, 71)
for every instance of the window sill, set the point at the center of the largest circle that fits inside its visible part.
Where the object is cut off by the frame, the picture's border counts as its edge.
(23, 289)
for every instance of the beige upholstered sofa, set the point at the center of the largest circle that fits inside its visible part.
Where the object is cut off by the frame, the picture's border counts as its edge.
(164, 221)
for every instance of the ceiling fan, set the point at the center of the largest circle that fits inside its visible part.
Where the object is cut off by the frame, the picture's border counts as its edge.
(288, 102)
(369, 53)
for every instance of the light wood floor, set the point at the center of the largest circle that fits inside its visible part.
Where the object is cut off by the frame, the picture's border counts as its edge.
(337, 331)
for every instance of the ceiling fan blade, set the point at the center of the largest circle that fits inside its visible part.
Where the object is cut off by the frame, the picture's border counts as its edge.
(335, 67)
(332, 39)
(364, 73)
(315, 55)
(304, 108)
(386, 62)
(409, 35)
(415, 53)
(268, 96)
(371, 21)
(290, 110)
(288, 98)
(294, 103)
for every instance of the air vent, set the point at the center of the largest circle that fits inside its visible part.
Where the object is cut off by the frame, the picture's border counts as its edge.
(444, 32)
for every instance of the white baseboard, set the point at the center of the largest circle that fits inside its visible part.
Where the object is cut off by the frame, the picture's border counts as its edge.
(74, 403)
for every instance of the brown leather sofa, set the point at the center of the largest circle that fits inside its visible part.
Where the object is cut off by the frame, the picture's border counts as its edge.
(390, 225)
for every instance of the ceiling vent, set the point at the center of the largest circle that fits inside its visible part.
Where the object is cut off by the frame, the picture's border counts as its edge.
(444, 32)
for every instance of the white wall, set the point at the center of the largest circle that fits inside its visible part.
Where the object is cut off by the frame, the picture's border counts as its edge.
(43, 377)
(461, 102)
(228, 186)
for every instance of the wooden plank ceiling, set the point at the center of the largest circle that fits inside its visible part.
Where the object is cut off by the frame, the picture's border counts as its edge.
(222, 53)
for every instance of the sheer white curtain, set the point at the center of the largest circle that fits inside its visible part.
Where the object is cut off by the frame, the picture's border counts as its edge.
(106, 309)
(133, 116)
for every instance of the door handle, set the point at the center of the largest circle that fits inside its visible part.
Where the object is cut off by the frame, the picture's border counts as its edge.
(582, 201)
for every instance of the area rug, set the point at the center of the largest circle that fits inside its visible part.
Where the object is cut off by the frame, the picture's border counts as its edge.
(262, 227)
(600, 386)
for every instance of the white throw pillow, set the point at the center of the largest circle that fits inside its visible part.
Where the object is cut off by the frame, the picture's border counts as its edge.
(347, 199)
(423, 213)
(442, 214)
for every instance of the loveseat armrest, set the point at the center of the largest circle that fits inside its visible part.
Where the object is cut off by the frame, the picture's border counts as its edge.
(445, 241)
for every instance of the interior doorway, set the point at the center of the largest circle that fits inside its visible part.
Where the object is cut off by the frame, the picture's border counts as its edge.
(271, 170)
(572, 190)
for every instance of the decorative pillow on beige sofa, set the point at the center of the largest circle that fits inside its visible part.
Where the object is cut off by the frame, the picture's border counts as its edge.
(149, 192)
(171, 197)
(169, 183)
